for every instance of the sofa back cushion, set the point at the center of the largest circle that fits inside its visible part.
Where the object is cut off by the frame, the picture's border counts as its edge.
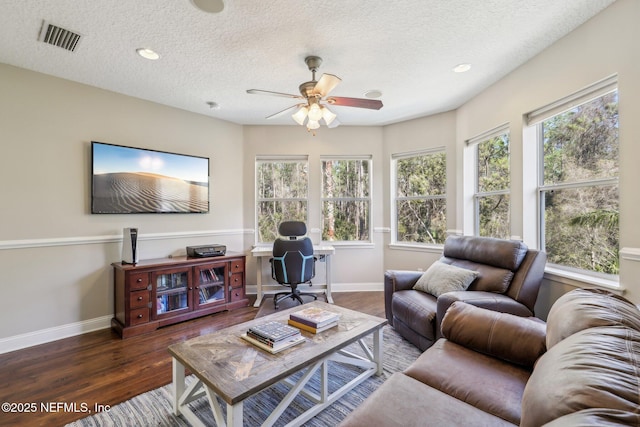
(495, 260)
(581, 309)
(516, 339)
(593, 368)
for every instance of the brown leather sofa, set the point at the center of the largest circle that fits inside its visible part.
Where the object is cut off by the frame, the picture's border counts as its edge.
(509, 277)
(495, 369)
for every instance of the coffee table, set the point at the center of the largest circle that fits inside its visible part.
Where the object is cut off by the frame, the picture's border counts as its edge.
(230, 368)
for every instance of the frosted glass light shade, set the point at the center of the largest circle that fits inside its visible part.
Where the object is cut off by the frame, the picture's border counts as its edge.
(300, 115)
(313, 124)
(315, 113)
(327, 115)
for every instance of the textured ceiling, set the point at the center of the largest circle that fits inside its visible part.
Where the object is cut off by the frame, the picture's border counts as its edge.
(406, 49)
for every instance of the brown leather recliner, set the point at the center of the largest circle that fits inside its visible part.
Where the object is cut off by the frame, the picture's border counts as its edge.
(509, 278)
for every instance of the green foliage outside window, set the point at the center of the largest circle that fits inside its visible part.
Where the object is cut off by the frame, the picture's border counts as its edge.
(492, 194)
(345, 200)
(421, 198)
(580, 190)
(282, 195)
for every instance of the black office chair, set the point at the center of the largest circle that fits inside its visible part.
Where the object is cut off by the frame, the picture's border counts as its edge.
(293, 262)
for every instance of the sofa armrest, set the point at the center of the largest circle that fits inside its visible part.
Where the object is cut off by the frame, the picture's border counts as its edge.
(516, 339)
(397, 280)
(488, 300)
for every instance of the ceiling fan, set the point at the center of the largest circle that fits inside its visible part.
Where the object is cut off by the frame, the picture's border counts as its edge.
(315, 96)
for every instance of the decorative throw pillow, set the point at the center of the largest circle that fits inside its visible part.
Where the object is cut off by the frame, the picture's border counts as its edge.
(441, 278)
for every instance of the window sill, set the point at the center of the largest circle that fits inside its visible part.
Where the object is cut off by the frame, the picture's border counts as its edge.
(349, 245)
(435, 249)
(580, 280)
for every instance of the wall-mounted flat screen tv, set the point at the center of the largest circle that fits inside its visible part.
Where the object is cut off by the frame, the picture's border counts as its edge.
(128, 180)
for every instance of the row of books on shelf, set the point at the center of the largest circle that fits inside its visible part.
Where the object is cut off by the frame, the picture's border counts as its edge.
(275, 336)
(209, 275)
(211, 293)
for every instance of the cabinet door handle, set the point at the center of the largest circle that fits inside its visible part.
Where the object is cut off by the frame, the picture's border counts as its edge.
(139, 279)
(139, 298)
(140, 316)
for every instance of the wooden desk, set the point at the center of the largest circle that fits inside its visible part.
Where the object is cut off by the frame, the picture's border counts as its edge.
(227, 366)
(323, 253)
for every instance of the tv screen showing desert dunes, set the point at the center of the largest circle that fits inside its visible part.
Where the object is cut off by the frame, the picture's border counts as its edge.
(133, 180)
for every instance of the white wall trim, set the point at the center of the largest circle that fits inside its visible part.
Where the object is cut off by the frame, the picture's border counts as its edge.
(87, 240)
(18, 342)
(630, 254)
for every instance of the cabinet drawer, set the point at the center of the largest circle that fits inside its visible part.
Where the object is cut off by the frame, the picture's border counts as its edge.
(237, 294)
(138, 280)
(138, 316)
(237, 280)
(139, 299)
(237, 265)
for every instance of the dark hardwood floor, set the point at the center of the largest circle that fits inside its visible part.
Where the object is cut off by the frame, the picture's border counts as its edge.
(99, 368)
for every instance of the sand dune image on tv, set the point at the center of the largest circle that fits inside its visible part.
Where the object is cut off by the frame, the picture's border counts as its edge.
(141, 192)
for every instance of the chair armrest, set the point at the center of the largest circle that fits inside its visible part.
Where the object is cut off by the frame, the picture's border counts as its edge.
(397, 280)
(516, 339)
(489, 300)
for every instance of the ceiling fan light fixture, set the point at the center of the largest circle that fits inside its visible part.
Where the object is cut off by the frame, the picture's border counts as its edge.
(313, 124)
(300, 115)
(328, 115)
(315, 112)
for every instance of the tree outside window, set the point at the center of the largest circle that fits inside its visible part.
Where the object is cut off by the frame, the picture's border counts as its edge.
(420, 198)
(346, 199)
(492, 201)
(281, 195)
(579, 188)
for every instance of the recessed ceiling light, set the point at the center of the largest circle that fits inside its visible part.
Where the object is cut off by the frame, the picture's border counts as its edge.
(148, 53)
(374, 93)
(461, 68)
(209, 6)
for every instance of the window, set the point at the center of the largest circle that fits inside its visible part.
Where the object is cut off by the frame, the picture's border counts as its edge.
(578, 183)
(492, 184)
(420, 197)
(346, 199)
(281, 194)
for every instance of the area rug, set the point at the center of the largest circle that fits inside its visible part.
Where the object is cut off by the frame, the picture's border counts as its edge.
(266, 306)
(154, 408)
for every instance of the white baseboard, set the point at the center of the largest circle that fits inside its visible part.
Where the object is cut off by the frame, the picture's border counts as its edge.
(30, 339)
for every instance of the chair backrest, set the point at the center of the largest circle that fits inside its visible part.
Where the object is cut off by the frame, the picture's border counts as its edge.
(293, 260)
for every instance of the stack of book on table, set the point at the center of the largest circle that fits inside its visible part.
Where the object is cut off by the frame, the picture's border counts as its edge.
(314, 319)
(273, 336)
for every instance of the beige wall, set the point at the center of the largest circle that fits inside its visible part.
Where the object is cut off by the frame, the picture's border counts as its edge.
(55, 256)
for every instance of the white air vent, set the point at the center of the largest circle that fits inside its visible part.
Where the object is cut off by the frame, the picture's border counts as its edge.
(58, 36)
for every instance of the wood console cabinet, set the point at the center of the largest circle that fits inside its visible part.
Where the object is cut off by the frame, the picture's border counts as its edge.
(159, 292)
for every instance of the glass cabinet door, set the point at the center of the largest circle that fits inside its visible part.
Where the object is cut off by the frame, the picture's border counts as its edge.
(172, 291)
(211, 284)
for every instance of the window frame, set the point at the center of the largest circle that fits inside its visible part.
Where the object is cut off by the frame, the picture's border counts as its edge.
(533, 134)
(368, 199)
(394, 196)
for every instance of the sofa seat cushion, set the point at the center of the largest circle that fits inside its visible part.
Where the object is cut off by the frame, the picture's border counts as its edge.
(487, 383)
(404, 402)
(593, 368)
(417, 310)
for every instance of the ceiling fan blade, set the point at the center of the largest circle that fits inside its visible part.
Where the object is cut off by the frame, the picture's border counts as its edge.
(283, 112)
(372, 104)
(268, 92)
(326, 84)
